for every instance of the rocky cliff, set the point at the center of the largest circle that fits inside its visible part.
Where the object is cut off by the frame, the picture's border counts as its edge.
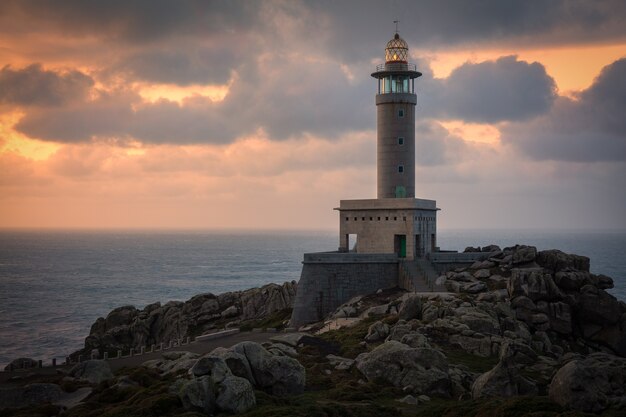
(128, 327)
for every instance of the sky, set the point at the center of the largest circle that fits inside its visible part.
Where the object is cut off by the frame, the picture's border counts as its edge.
(261, 114)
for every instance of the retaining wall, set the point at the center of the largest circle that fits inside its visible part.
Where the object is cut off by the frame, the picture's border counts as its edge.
(329, 279)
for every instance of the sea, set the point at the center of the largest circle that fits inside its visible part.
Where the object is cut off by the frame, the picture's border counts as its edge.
(55, 284)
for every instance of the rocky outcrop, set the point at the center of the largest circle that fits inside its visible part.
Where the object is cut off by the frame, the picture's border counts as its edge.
(128, 327)
(279, 375)
(505, 379)
(550, 292)
(93, 371)
(21, 363)
(591, 384)
(213, 387)
(423, 370)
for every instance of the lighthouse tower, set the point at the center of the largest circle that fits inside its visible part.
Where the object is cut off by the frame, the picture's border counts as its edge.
(396, 221)
(395, 117)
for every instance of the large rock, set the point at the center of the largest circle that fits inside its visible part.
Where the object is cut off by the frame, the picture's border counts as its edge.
(197, 394)
(29, 395)
(505, 380)
(235, 395)
(523, 254)
(280, 375)
(212, 387)
(591, 384)
(556, 260)
(377, 331)
(94, 371)
(423, 369)
(21, 363)
(127, 327)
(598, 306)
(236, 362)
(534, 284)
(411, 307)
(173, 362)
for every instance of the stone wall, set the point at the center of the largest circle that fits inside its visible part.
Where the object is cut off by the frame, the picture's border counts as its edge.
(329, 279)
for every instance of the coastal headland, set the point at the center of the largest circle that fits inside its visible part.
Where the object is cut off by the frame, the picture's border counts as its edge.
(523, 332)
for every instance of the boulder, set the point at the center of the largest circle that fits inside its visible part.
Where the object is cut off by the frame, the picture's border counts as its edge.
(289, 339)
(173, 362)
(482, 273)
(597, 306)
(505, 380)
(534, 284)
(523, 254)
(236, 362)
(410, 308)
(29, 395)
(213, 386)
(21, 363)
(591, 384)
(280, 375)
(424, 369)
(556, 261)
(377, 331)
(197, 394)
(94, 371)
(211, 365)
(235, 395)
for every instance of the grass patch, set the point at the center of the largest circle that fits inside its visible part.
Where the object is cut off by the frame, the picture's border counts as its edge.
(474, 363)
(277, 320)
(349, 338)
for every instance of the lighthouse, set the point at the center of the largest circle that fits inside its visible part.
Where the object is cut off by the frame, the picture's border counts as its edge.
(387, 241)
(395, 222)
(395, 121)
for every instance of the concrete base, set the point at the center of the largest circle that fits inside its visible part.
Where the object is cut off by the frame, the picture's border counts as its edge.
(330, 279)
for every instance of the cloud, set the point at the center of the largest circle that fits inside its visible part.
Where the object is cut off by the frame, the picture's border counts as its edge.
(494, 91)
(590, 128)
(435, 145)
(34, 86)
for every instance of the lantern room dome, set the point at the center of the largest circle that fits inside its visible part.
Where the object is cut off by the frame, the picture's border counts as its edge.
(397, 50)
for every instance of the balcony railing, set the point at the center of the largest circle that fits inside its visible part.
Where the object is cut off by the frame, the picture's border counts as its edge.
(397, 66)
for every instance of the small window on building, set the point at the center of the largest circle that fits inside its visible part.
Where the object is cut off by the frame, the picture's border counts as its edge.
(400, 141)
(355, 219)
(347, 218)
(363, 218)
(395, 218)
(386, 218)
(404, 218)
(379, 219)
(401, 113)
(401, 168)
(371, 218)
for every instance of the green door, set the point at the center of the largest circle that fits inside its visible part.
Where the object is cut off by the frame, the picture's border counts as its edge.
(402, 246)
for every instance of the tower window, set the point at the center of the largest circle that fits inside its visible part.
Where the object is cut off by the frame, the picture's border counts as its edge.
(401, 113)
(400, 141)
(347, 218)
(400, 168)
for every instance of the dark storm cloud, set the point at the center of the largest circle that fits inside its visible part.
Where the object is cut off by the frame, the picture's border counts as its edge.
(143, 21)
(487, 92)
(298, 98)
(34, 86)
(591, 128)
(289, 101)
(494, 91)
(357, 27)
(197, 66)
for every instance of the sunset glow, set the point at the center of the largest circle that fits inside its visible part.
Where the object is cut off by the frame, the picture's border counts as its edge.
(262, 115)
